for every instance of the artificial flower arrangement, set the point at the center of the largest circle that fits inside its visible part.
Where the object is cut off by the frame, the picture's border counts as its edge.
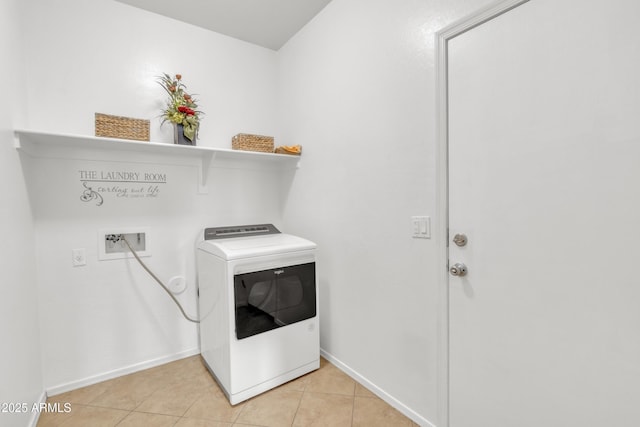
(181, 107)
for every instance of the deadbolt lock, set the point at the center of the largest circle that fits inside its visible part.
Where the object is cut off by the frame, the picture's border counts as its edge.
(460, 239)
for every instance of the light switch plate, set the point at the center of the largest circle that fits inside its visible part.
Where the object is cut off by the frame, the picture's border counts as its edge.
(421, 227)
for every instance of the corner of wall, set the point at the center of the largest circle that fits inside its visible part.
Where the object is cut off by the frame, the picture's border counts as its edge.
(20, 362)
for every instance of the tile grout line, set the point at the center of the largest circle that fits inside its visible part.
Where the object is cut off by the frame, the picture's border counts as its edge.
(193, 403)
(123, 418)
(353, 403)
(304, 390)
(244, 406)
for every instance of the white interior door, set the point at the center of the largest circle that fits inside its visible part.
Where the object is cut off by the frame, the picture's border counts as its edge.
(544, 180)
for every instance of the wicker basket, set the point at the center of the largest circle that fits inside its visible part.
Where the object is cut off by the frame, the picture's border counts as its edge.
(248, 142)
(122, 127)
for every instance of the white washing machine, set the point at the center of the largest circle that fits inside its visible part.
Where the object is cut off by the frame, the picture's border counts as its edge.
(258, 304)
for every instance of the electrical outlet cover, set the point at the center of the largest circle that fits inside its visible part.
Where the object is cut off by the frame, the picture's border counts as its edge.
(78, 257)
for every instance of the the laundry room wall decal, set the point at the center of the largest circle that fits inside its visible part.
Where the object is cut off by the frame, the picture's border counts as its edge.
(121, 184)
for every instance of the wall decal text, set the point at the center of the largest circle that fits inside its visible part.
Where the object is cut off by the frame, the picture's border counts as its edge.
(121, 184)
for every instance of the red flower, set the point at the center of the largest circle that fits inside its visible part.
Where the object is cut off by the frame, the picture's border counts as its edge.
(188, 111)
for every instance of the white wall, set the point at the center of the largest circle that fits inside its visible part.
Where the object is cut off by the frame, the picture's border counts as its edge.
(20, 364)
(358, 92)
(102, 56)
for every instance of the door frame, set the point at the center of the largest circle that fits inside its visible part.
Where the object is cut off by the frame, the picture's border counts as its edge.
(442, 185)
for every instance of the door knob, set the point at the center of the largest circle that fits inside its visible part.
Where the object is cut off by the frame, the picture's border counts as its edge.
(458, 269)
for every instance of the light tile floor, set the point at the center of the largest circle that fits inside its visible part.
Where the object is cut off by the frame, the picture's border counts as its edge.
(183, 394)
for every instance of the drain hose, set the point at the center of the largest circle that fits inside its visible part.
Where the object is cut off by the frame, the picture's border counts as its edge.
(159, 282)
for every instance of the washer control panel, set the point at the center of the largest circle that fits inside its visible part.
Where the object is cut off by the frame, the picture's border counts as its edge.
(239, 231)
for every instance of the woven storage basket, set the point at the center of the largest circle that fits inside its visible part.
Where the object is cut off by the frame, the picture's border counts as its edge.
(122, 127)
(248, 142)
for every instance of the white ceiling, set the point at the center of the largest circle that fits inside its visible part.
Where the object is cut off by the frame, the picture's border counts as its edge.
(268, 23)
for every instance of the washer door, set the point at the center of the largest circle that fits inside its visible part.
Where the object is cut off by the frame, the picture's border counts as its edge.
(270, 299)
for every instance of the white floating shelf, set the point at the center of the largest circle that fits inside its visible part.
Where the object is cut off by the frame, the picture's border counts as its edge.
(43, 144)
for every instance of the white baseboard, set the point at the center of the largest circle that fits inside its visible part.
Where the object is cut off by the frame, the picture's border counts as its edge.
(35, 415)
(62, 388)
(403, 409)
